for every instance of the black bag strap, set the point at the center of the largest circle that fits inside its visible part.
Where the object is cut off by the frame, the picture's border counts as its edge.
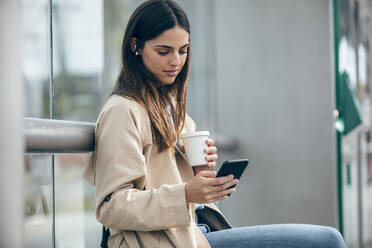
(105, 231)
(105, 237)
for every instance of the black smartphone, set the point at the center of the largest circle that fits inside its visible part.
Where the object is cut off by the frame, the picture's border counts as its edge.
(234, 167)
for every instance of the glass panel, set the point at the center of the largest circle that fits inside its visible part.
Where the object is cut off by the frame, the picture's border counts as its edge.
(38, 201)
(87, 43)
(35, 62)
(356, 147)
(78, 58)
(364, 88)
(76, 224)
(38, 174)
(347, 63)
(116, 15)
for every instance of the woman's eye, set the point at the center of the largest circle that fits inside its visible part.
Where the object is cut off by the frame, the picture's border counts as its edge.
(163, 52)
(183, 51)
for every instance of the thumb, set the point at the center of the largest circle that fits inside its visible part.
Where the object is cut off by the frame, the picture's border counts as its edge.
(207, 173)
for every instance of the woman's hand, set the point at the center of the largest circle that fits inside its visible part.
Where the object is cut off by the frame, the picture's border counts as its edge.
(205, 187)
(210, 158)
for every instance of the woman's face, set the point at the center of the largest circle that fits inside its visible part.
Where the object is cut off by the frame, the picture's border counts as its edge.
(165, 55)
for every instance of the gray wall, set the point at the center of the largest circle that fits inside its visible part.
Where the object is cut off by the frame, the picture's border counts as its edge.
(201, 94)
(275, 92)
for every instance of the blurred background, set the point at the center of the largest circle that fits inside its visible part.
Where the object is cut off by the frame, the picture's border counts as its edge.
(289, 81)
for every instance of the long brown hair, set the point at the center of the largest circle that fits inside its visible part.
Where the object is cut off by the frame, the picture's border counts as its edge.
(147, 22)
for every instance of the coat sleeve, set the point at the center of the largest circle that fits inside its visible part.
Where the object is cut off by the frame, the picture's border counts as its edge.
(121, 174)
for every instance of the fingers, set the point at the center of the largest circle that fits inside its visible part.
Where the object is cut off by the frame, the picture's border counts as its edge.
(210, 142)
(218, 199)
(211, 158)
(206, 188)
(227, 185)
(223, 191)
(210, 150)
(199, 168)
(207, 173)
(219, 181)
(211, 165)
(221, 195)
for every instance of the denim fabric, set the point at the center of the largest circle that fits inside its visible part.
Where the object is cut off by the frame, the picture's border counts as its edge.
(199, 206)
(204, 228)
(279, 236)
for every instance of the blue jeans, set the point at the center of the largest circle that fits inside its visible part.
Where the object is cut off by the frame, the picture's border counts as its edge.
(278, 236)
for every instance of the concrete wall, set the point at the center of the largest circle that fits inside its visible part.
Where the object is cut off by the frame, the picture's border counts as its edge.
(275, 92)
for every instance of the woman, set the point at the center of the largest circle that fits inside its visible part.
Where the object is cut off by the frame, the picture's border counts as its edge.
(146, 191)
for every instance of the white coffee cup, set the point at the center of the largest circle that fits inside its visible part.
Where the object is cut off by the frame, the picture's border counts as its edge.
(194, 146)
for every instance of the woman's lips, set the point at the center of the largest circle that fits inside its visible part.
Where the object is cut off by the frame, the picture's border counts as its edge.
(171, 73)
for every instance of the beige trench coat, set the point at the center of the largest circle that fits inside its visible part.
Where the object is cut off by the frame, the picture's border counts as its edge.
(147, 206)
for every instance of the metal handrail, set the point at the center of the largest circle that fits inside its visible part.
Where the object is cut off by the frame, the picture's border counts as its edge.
(58, 136)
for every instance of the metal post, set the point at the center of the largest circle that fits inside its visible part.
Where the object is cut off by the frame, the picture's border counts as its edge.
(11, 147)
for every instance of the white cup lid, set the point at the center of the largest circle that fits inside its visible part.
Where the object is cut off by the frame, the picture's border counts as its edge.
(194, 134)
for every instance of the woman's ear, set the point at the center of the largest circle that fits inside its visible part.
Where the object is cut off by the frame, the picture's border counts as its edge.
(132, 43)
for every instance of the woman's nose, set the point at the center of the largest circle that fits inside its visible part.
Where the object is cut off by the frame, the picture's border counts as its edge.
(176, 59)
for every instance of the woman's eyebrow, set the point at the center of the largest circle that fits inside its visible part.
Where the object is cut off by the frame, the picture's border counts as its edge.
(169, 47)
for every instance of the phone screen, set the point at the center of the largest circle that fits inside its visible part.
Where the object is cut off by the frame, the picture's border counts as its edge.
(235, 167)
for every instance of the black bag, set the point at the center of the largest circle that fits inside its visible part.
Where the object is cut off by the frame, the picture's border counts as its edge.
(105, 237)
(105, 231)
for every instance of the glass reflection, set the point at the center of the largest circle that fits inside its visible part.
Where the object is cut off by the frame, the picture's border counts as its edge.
(35, 62)
(357, 148)
(76, 224)
(38, 201)
(87, 39)
(78, 58)
(364, 91)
